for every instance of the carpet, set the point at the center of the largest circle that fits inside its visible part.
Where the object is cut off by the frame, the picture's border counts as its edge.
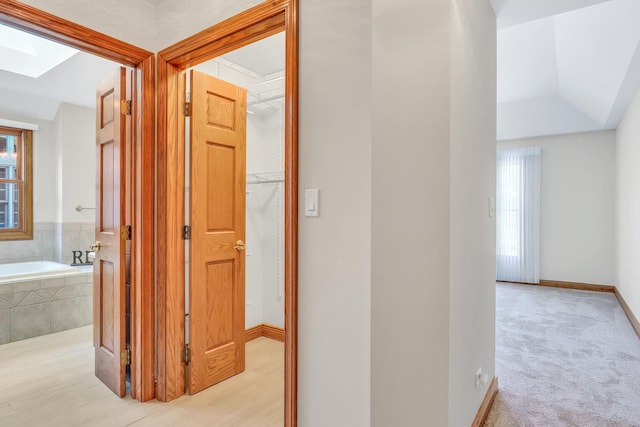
(564, 358)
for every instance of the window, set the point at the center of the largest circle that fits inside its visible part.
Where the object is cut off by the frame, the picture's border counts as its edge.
(16, 186)
(518, 215)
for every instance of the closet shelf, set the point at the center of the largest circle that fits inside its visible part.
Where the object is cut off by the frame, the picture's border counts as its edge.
(265, 178)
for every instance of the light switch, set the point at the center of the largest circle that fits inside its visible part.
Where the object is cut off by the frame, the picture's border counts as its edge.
(492, 206)
(311, 202)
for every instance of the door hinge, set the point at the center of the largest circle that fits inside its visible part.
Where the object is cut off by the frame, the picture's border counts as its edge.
(125, 356)
(186, 354)
(186, 232)
(125, 232)
(125, 107)
(187, 109)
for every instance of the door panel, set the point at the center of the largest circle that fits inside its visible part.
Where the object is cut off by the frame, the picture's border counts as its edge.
(217, 217)
(112, 136)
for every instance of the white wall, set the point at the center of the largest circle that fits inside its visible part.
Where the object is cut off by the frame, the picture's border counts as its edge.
(77, 158)
(410, 213)
(577, 186)
(628, 206)
(335, 248)
(473, 181)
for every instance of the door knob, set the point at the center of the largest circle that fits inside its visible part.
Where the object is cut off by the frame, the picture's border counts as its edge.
(96, 246)
(239, 245)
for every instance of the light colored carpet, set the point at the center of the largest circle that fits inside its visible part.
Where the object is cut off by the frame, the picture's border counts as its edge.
(564, 358)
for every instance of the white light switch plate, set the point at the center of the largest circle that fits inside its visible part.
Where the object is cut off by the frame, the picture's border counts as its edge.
(311, 202)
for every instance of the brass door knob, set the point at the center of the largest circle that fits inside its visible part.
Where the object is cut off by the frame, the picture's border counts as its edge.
(239, 245)
(96, 246)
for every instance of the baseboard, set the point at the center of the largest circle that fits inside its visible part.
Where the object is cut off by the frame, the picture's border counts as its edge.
(632, 318)
(578, 286)
(264, 330)
(487, 403)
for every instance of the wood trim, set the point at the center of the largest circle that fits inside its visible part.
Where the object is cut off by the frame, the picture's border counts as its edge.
(627, 310)
(487, 403)
(273, 332)
(265, 330)
(291, 218)
(261, 21)
(35, 21)
(253, 333)
(170, 220)
(240, 30)
(577, 286)
(142, 302)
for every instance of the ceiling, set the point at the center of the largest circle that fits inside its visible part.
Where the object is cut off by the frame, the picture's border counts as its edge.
(565, 66)
(74, 80)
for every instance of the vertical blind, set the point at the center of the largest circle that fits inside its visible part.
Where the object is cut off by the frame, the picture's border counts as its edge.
(518, 215)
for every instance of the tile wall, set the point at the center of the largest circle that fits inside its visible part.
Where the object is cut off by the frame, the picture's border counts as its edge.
(51, 242)
(38, 307)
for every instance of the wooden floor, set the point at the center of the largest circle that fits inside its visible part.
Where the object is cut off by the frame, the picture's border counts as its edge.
(49, 381)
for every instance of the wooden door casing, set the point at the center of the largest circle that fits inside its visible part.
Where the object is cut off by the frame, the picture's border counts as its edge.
(112, 138)
(217, 217)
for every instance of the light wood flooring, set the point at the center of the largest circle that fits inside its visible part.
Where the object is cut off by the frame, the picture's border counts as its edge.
(49, 381)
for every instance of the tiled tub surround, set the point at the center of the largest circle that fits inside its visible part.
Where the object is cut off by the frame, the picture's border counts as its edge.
(51, 241)
(30, 307)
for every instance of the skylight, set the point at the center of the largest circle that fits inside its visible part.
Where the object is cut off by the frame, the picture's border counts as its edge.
(30, 55)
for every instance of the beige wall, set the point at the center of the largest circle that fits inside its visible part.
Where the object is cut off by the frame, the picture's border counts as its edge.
(628, 206)
(473, 157)
(577, 193)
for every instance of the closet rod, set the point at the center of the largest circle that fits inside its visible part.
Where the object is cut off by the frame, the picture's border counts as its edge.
(267, 99)
(265, 181)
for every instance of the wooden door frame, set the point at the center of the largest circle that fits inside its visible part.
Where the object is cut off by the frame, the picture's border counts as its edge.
(141, 190)
(268, 18)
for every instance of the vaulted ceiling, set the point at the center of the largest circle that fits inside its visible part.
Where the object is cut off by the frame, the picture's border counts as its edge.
(565, 66)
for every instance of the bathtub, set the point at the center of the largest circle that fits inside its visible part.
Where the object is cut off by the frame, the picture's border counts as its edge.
(43, 297)
(33, 270)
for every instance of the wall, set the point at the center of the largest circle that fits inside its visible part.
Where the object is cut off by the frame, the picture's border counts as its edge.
(75, 180)
(628, 206)
(63, 178)
(577, 242)
(410, 213)
(473, 157)
(389, 173)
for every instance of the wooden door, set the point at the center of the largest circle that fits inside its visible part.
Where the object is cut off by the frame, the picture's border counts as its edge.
(112, 138)
(217, 217)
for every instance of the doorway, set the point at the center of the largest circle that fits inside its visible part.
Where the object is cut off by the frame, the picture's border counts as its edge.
(48, 26)
(252, 25)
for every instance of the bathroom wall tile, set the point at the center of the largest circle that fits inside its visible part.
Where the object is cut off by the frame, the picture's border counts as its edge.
(48, 294)
(32, 298)
(74, 279)
(5, 326)
(30, 321)
(5, 251)
(71, 313)
(15, 298)
(25, 248)
(55, 282)
(69, 291)
(6, 288)
(88, 290)
(28, 285)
